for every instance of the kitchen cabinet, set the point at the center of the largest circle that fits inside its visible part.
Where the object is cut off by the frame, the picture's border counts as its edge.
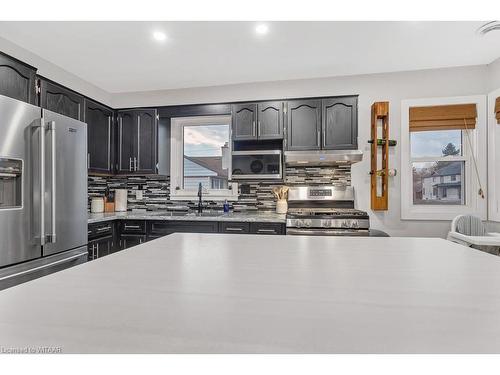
(257, 121)
(234, 227)
(322, 124)
(303, 125)
(161, 228)
(270, 120)
(100, 130)
(267, 228)
(131, 233)
(17, 80)
(339, 123)
(137, 141)
(102, 240)
(61, 100)
(244, 122)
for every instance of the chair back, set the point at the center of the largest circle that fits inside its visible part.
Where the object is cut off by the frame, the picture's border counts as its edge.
(468, 225)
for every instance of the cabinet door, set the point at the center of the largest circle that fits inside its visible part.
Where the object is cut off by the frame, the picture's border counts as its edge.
(58, 99)
(270, 120)
(127, 135)
(304, 125)
(267, 228)
(99, 121)
(100, 247)
(340, 123)
(129, 240)
(244, 117)
(17, 80)
(146, 154)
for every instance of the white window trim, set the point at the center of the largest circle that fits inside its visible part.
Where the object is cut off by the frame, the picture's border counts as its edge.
(493, 159)
(176, 159)
(474, 203)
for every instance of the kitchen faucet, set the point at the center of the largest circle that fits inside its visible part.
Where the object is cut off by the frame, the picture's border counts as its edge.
(200, 194)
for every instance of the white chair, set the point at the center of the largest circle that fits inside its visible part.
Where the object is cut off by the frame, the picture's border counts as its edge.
(470, 231)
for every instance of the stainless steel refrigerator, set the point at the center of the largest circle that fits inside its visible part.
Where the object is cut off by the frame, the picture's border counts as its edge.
(43, 187)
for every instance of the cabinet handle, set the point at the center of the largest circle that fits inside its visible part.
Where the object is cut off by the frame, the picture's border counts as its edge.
(319, 138)
(132, 227)
(253, 128)
(266, 231)
(135, 163)
(109, 143)
(88, 160)
(231, 229)
(103, 228)
(258, 128)
(120, 143)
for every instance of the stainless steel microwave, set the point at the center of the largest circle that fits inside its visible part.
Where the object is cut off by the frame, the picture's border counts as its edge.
(256, 165)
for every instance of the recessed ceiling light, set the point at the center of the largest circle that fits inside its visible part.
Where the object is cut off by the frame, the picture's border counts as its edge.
(261, 29)
(160, 36)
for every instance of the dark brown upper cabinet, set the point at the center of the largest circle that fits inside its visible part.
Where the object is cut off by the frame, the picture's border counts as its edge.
(270, 120)
(253, 121)
(17, 80)
(244, 122)
(100, 137)
(303, 125)
(61, 100)
(137, 141)
(340, 123)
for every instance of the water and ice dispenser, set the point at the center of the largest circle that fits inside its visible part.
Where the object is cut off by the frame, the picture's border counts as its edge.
(11, 175)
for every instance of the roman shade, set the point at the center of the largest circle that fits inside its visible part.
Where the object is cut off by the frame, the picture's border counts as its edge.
(443, 117)
(497, 109)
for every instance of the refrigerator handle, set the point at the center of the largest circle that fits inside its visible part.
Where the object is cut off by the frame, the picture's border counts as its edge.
(40, 125)
(52, 129)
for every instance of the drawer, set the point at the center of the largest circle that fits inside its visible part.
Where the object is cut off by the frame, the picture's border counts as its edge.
(267, 228)
(133, 226)
(161, 228)
(234, 227)
(100, 230)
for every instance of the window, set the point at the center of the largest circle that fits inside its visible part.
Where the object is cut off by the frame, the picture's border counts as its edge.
(200, 154)
(439, 179)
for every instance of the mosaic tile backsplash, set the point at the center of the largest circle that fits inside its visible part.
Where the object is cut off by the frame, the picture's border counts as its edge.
(252, 196)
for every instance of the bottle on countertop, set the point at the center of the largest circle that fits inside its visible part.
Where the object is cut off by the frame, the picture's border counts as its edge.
(226, 206)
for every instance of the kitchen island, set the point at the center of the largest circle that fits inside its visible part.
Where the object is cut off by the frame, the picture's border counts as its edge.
(220, 293)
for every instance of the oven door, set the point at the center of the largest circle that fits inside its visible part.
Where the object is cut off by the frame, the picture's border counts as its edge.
(327, 232)
(251, 165)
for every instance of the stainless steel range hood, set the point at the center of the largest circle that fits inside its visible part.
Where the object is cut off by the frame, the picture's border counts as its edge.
(323, 157)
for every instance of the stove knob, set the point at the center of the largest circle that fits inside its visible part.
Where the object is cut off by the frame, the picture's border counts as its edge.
(299, 223)
(354, 224)
(307, 223)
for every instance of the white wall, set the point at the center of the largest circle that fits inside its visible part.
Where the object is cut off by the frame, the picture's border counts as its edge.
(377, 87)
(54, 72)
(493, 77)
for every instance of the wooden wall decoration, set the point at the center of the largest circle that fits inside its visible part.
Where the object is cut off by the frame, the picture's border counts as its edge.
(497, 110)
(380, 112)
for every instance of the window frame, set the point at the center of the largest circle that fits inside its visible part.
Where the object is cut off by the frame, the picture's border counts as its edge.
(474, 204)
(177, 125)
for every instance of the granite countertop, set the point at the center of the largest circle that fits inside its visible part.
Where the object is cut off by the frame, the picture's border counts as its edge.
(221, 293)
(188, 216)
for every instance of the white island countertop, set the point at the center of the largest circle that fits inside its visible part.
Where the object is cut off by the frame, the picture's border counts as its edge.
(222, 293)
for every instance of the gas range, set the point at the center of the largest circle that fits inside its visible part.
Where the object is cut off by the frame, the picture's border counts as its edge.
(326, 211)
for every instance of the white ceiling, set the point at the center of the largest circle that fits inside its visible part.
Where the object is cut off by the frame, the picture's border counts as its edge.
(123, 57)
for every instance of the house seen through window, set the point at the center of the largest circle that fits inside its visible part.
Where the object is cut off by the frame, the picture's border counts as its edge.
(438, 167)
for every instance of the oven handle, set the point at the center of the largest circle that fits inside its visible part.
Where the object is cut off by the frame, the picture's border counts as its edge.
(327, 232)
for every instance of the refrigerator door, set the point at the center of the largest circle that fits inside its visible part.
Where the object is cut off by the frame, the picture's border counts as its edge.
(17, 221)
(65, 183)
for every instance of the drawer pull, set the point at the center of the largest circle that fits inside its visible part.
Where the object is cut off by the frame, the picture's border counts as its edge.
(266, 230)
(103, 228)
(231, 229)
(132, 227)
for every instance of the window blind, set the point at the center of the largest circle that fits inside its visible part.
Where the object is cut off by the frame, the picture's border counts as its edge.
(443, 117)
(497, 109)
